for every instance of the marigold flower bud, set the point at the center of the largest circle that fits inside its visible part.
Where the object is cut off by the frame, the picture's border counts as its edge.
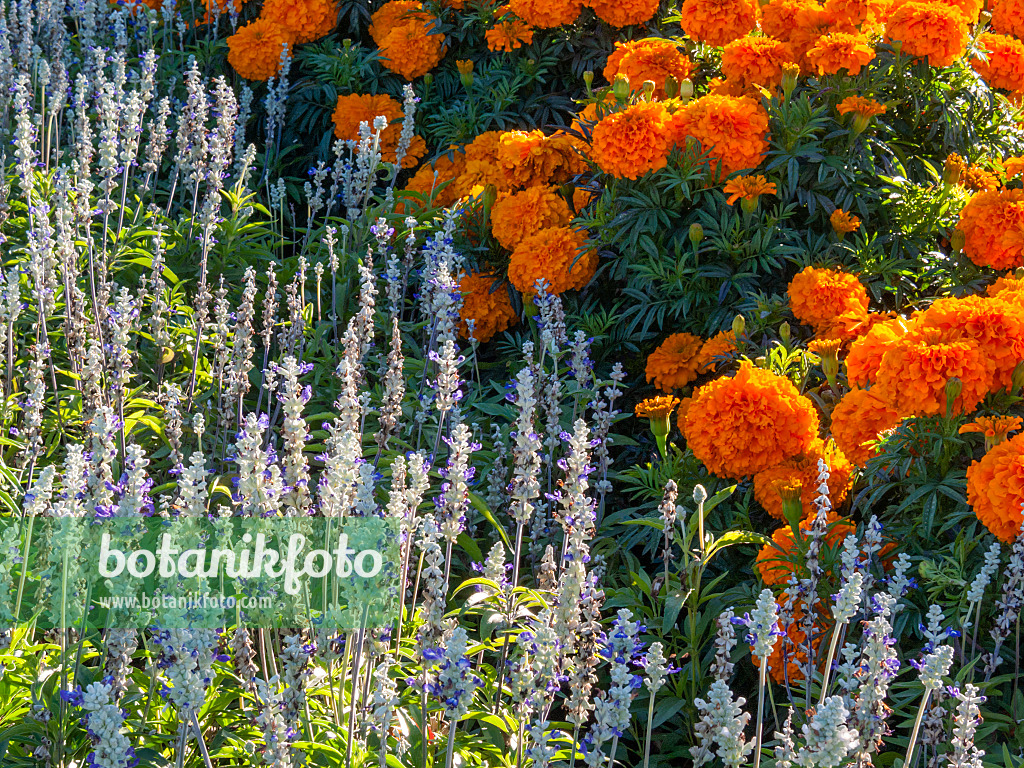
(784, 333)
(953, 389)
(790, 72)
(957, 240)
(648, 89)
(696, 234)
(671, 86)
(739, 325)
(620, 88)
(588, 80)
(685, 91)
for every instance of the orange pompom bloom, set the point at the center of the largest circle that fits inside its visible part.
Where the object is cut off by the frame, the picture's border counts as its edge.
(481, 165)
(254, 51)
(652, 58)
(803, 470)
(840, 50)
(1005, 66)
(742, 425)
(751, 61)
(774, 562)
(545, 14)
(488, 308)
(860, 106)
(630, 143)
(1008, 17)
(528, 158)
(914, 371)
(558, 256)
(857, 420)
(1010, 289)
(622, 13)
(812, 23)
(717, 22)
(843, 222)
(816, 296)
(516, 215)
(866, 352)
(675, 362)
(997, 326)
(1014, 166)
(995, 489)
(995, 429)
(719, 346)
(354, 109)
(749, 188)
(787, 662)
(993, 227)
(779, 17)
(656, 407)
(403, 32)
(969, 9)
(508, 35)
(430, 176)
(308, 20)
(866, 14)
(730, 129)
(929, 29)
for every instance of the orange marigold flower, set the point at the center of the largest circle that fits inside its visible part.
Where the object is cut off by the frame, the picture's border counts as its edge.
(393, 14)
(848, 326)
(544, 14)
(1014, 166)
(774, 563)
(308, 20)
(1005, 66)
(915, 369)
(860, 106)
(748, 188)
(558, 256)
(997, 326)
(487, 305)
(675, 362)
(717, 22)
(993, 227)
(866, 352)
(684, 408)
(404, 33)
(812, 23)
(866, 14)
(508, 35)
(816, 296)
(841, 50)
(843, 222)
(528, 158)
(779, 17)
(353, 109)
(583, 196)
(929, 29)
(651, 58)
(1008, 17)
(970, 10)
(482, 166)
(429, 178)
(721, 345)
(995, 489)
(804, 470)
(742, 425)
(995, 428)
(730, 129)
(788, 660)
(254, 51)
(622, 13)
(751, 61)
(1009, 288)
(630, 143)
(656, 407)
(857, 421)
(516, 215)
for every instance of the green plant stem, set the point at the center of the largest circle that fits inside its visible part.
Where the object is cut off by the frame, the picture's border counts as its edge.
(647, 737)
(761, 682)
(917, 727)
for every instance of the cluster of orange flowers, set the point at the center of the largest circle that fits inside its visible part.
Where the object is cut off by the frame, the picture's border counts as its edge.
(486, 306)
(682, 356)
(255, 50)
(355, 109)
(404, 33)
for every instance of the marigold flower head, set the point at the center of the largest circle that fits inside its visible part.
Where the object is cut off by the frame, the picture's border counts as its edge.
(1005, 66)
(404, 32)
(623, 13)
(750, 61)
(516, 215)
(430, 177)
(717, 22)
(816, 296)
(630, 143)
(487, 305)
(1013, 166)
(804, 470)
(558, 256)
(866, 352)
(742, 425)
(860, 106)
(508, 35)
(1008, 17)
(915, 369)
(1010, 289)
(719, 346)
(787, 662)
(583, 196)
(779, 17)
(995, 488)
(656, 407)
(995, 428)
(857, 420)
(354, 109)
(545, 14)
(650, 58)
(956, 170)
(482, 165)
(392, 14)
(929, 29)
(528, 158)
(843, 222)
(837, 51)
(254, 51)
(813, 22)
(308, 20)
(774, 562)
(730, 129)
(993, 227)
(848, 326)
(864, 14)
(748, 188)
(675, 362)
(970, 10)
(996, 325)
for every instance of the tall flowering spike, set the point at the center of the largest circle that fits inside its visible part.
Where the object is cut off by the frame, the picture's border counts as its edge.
(984, 577)
(434, 599)
(938, 657)
(763, 625)
(270, 720)
(454, 499)
(105, 722)
(722, 721)
(725, 641)
(394, 389)
(965, 753)
(1010, 603)
(526, 447)
(827, 739)
(847, 601)
(455, 680)
(879, 665)
(611, 714)
(655, 668)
